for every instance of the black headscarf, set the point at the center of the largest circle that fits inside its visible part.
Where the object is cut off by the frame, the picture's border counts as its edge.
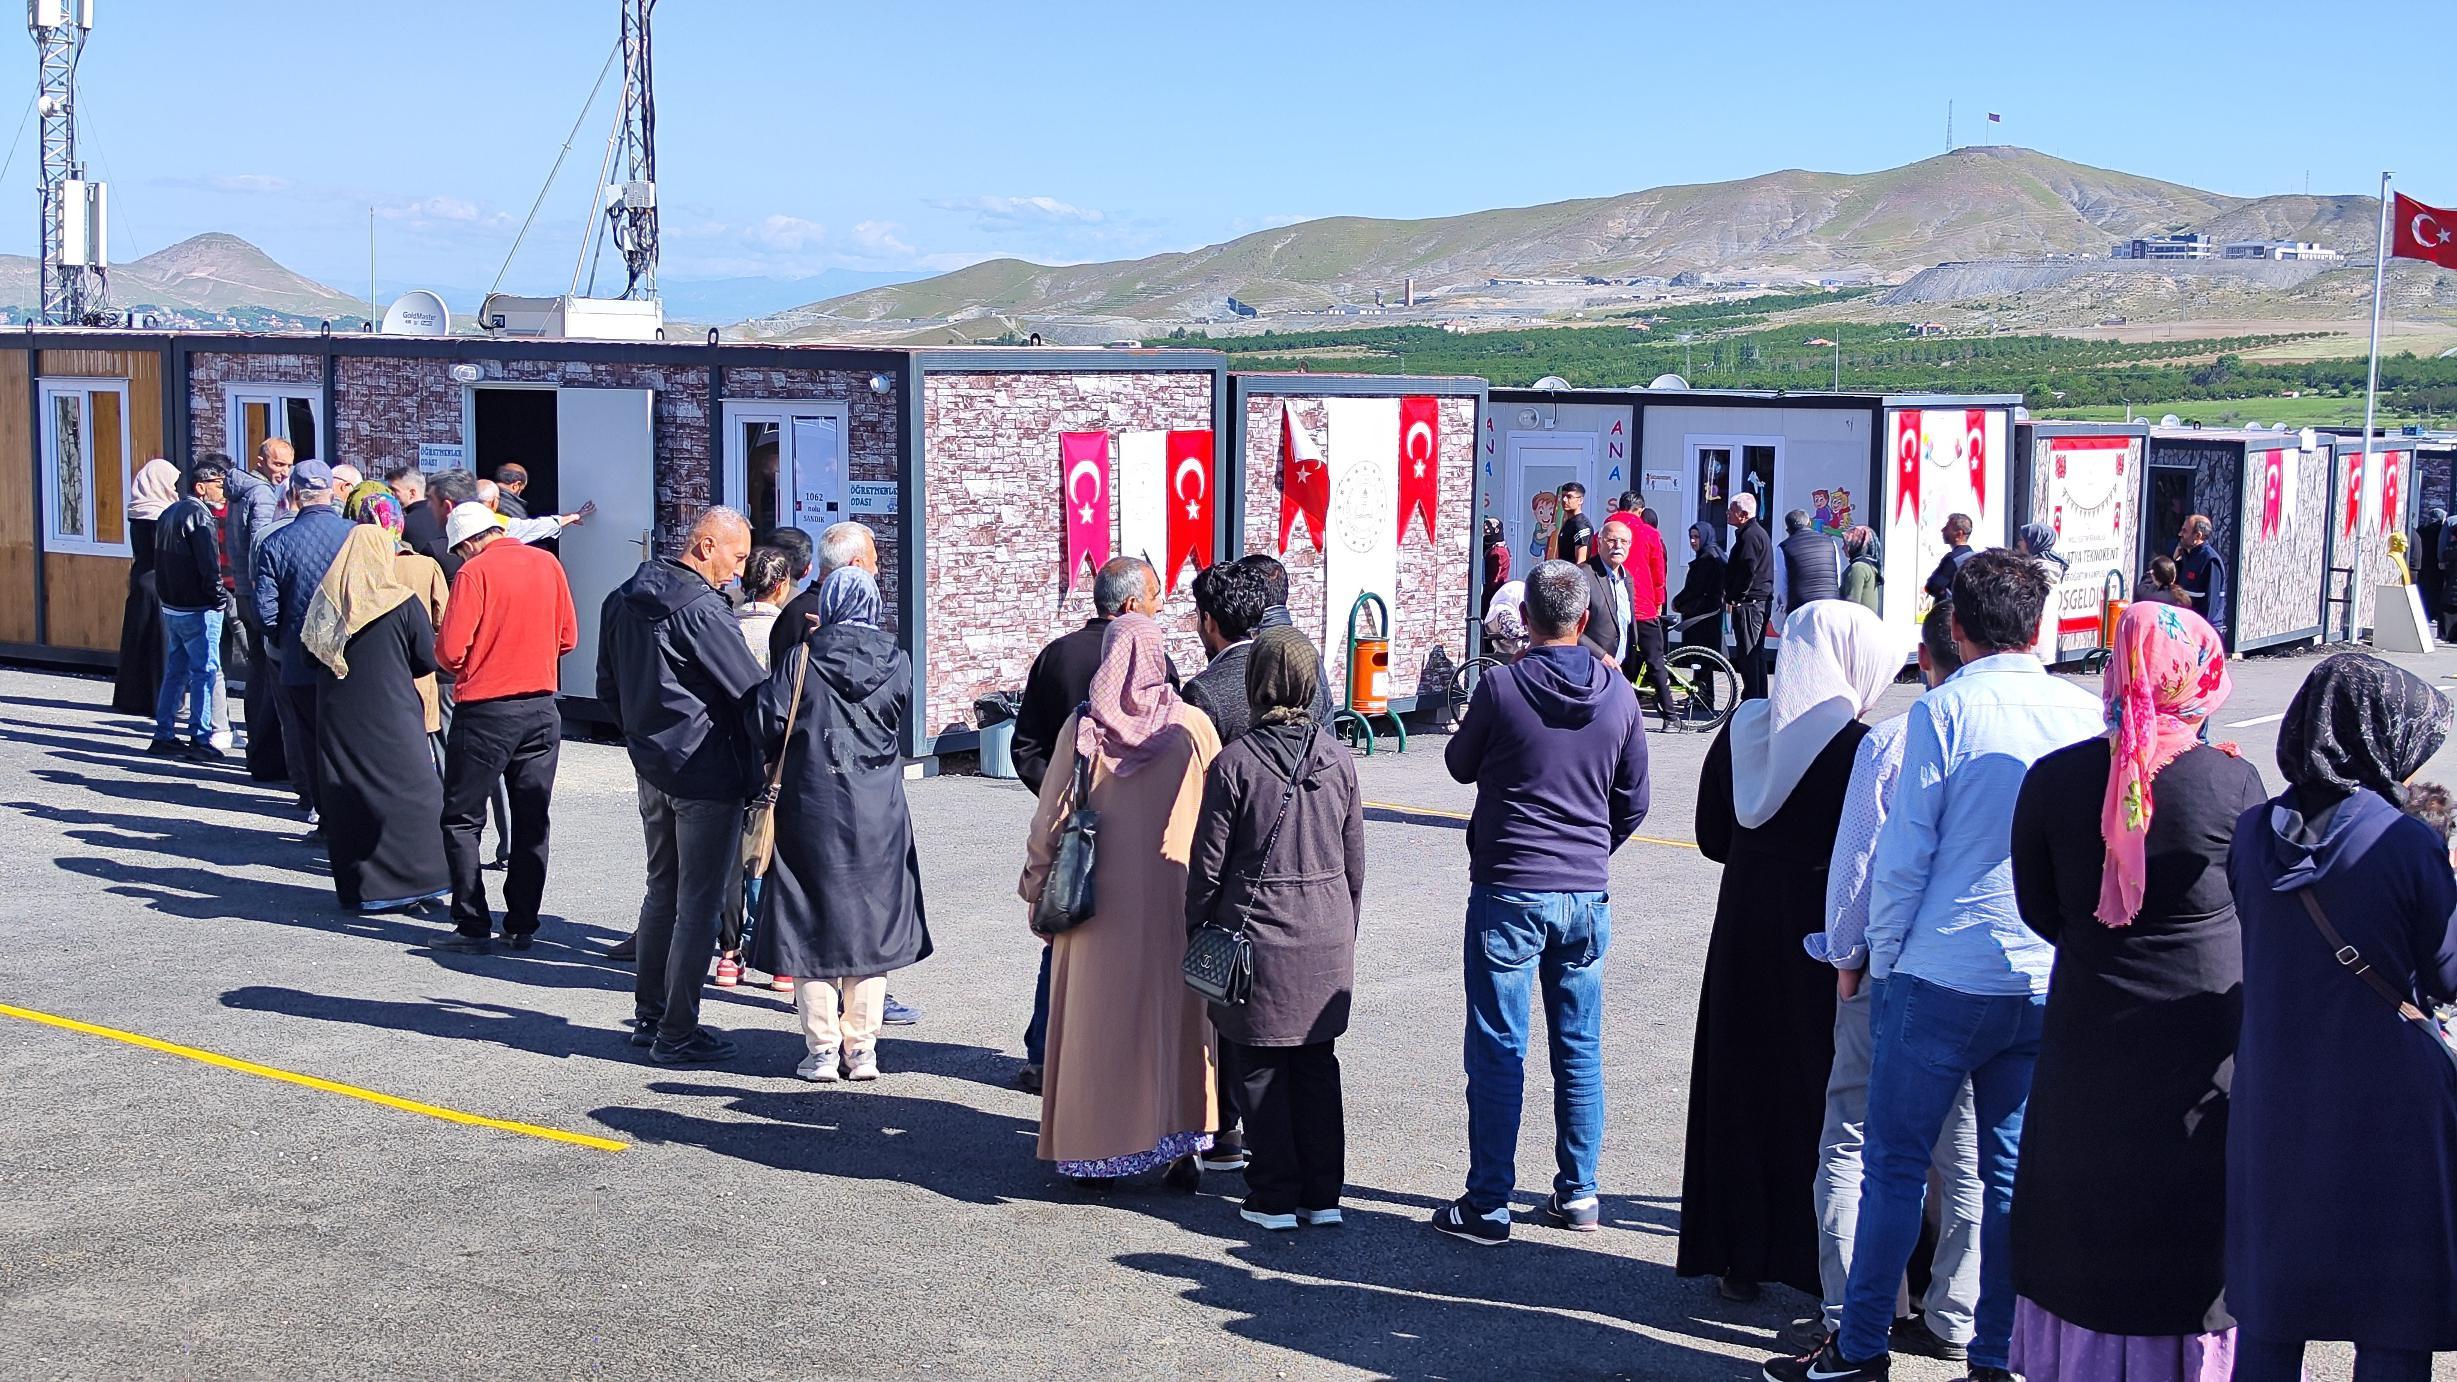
(1709, 545)
(2041, 540)
(1282, 677)
(2358, 722)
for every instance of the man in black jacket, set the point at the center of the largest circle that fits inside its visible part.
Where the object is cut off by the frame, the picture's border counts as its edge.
(839, 545)
(673, 670)
(1061, 675)
(1957, 551)
(1748, 592)
(188, 578)
(1609, 611)
(1812, 563)
(1276, 616)
(1228, 601)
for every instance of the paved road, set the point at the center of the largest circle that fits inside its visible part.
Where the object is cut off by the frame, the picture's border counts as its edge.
(169, 1216)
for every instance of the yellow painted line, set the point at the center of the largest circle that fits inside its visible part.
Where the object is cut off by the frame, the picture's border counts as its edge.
(247, 1067)
(1462, 815)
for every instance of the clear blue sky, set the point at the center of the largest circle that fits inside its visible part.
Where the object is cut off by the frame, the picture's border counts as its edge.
(796, 135)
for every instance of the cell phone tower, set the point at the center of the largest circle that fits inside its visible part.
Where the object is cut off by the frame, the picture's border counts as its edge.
(75, 259)
(635, 212)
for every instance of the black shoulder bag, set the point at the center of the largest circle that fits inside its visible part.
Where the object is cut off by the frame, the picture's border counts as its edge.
(1219, 960)
(2353, 962)
(1066, 894)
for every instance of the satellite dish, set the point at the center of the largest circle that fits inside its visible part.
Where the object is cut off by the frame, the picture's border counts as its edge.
(1552, 382)
(2171, 420)
(1668, 381)
(2020, 413)
(417, 313)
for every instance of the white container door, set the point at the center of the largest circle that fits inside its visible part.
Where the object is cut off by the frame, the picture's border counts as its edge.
(606, 439)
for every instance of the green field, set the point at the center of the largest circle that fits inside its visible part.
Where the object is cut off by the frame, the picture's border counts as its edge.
(2310, 410)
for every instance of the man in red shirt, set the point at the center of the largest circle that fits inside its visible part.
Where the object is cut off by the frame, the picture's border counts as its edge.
(505, 631)
(1647, 578)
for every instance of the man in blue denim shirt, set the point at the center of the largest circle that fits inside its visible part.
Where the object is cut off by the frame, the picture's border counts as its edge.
(1558, 754)
(1962, 983)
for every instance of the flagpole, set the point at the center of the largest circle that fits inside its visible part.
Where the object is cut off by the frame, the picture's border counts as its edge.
(2380, 275)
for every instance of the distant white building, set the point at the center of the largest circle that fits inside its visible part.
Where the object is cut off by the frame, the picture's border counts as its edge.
(2194, 246)
(2276, 249)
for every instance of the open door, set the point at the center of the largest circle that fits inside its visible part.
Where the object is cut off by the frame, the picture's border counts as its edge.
(607, 443)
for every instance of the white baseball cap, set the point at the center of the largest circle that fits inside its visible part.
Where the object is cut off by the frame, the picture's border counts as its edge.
(467, 521)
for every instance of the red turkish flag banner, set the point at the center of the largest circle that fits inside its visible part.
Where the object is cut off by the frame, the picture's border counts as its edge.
(1420, 461)
(2422, 232)
(1083, 459)
(1907, 463)
(1190, 503)
(2354, 490)
(1975, 450)
(1305, 482)
(2392, 489)
(2273, 493)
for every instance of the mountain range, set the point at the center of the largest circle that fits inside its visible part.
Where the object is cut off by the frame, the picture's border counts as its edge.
(2007, 211)
(1795, 226)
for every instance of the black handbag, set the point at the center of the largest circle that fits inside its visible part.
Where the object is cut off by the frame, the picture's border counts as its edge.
(1219, 961)
(1067, 899)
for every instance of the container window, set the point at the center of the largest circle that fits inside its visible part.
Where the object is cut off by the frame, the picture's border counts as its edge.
(85, 466)
(260, 412)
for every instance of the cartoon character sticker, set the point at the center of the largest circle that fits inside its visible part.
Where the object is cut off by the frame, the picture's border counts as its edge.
(1547, 509)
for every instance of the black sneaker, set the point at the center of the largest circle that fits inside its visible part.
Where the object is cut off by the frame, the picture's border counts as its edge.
(700, 1048)
(1579, 1215)
(518, 940)
(1827, 1365)
(462, 943)
(1984, 1373)
(166, 748)
(643, 1033)
(1486, 1228)
(1911, 1334)
(628, 948)
(203, 753)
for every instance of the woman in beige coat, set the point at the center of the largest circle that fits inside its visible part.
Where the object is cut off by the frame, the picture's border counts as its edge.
(1127, 1084)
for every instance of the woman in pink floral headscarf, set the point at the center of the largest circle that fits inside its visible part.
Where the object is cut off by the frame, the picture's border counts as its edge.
(2119, 1203)
(1127, 1080)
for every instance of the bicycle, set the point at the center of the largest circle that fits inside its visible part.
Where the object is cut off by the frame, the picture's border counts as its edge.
(1463, 681)
(1705, 685)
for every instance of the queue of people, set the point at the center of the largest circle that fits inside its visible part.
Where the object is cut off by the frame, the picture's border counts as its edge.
(2124, 1079)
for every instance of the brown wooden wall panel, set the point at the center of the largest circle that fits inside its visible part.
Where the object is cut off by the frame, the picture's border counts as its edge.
(16, 503)
(84, 599)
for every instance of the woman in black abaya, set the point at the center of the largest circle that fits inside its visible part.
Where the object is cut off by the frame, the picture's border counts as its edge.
(381, 801)
(139, 680)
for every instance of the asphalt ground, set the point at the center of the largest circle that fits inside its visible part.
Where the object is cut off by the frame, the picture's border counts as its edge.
(166, 1215)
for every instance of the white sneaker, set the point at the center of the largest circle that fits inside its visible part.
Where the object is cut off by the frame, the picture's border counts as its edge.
(223, 740)
(1277, 1223)
(862, 1065)
(1320, 1218)
(819, 1067)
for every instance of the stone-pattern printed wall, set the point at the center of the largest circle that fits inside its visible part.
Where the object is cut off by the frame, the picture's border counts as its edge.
(1432, 600)
(875, 422)
(2278, 581)
(996, 583)
(210, 373)
(385, 407)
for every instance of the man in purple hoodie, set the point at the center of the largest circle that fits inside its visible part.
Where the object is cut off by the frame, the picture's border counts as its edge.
(1558, 753)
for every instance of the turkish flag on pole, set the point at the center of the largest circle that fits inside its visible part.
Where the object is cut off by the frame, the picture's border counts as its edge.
(1420, 461)
(2423, 232)
(1084, 461)
(1305, 482)
(1975, 450)
(1190, 506)
(1907, 463)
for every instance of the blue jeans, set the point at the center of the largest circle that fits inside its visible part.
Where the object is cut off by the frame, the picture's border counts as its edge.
(1036, 1032)
(1929, 1039)
(191, 668)
(1517, 941)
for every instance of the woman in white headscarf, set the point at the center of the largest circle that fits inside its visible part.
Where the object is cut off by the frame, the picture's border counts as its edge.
(154, 489)
(1769, 801)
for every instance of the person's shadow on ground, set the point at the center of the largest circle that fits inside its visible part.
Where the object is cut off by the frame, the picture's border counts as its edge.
(1406, 1331)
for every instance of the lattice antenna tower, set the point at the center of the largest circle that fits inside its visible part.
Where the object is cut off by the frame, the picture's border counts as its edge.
(635, 212)
(75, 280)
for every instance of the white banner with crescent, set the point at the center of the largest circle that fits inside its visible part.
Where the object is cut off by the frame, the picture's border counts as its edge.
(1361, 551)
(1143, 496)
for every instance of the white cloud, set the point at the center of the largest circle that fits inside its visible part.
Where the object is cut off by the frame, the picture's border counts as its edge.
(786, 234)
(249, 182)
(878, 238)
(1008, 211)
(437, 208)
